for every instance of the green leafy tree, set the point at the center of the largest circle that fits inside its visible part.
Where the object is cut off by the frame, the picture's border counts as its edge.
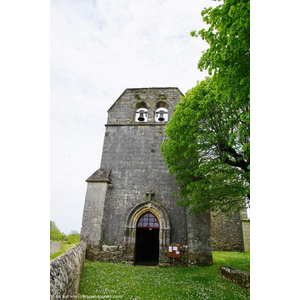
(208, 145)
(207, 163)
(228, 58)
(55, 234)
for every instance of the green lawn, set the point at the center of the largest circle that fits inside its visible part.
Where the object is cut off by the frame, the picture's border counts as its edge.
(64, 248)
(135, 282)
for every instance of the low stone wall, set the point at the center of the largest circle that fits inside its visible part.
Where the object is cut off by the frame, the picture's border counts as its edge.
(65, 272)
(235, 276)
(107, 253)
(125, 254)
(54, 247)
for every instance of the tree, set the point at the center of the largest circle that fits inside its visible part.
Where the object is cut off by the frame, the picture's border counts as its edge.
(55, 234)
(228, 57)
(208, 145)
(209, 167)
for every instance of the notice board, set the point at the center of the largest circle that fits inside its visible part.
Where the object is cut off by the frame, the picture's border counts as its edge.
(174, 251)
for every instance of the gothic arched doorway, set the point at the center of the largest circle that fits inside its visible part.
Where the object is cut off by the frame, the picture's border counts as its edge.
(131, 227)
(147, 240)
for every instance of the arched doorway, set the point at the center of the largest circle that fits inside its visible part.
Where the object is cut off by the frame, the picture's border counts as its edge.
(147, 240)
(131, 223)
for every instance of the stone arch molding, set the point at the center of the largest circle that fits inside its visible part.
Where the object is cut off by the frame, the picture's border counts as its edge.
(159, 212)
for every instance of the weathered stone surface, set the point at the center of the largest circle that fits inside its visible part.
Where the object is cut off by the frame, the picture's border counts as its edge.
(54, 247)
(135, 171)
(199, 242)
(105, 248)
(123, 110)
(235, 276)
(92, 221)
(65, 272)
(226, 232)
(246, 234)
(101, 175)
(113, 248)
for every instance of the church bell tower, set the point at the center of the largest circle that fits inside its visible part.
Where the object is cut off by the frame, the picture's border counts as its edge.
(130, 213)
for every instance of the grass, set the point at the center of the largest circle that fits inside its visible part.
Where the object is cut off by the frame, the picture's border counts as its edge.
(64, 248)
(118, 281)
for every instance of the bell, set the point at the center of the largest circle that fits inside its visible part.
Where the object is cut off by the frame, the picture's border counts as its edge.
(141, 117)
(161, 117)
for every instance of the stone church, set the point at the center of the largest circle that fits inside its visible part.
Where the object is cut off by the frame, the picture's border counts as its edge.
(130, 213)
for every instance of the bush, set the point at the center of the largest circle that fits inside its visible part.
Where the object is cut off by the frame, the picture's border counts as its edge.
(73, 238)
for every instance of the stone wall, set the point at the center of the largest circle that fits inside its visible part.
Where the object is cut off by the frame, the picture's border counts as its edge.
(246, 230)
(226, 232)
(235, 276)
(116, 254)
(107, 253)
(137, 167)
(93, 212)
(54, 247)
(246, 234)
(65, 272)
(131, 151)
(124, 109)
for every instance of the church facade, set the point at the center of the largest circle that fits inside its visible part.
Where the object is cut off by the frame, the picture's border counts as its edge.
(130, 213)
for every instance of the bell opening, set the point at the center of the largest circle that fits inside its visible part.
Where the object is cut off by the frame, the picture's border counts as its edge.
(161, 117)
(141, 117)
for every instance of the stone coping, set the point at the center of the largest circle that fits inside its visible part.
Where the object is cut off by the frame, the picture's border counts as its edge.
(235, 276)
(101, 175)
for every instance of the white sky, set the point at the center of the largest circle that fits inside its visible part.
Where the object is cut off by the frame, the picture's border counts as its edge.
(98, 49)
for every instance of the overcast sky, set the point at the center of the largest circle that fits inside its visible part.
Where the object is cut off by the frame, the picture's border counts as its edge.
(98, 49)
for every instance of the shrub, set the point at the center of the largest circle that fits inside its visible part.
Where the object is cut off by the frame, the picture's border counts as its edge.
(73, 238)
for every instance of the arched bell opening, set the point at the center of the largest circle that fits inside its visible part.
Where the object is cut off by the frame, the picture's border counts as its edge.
(161, 115)
(161, 112)
(141, 114)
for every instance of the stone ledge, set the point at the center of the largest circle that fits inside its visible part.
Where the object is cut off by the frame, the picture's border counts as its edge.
(107, 248)
(235, 276)
(101, 175)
